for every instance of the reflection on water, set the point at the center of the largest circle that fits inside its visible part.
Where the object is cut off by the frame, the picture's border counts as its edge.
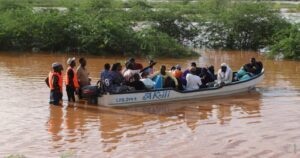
(262, 123)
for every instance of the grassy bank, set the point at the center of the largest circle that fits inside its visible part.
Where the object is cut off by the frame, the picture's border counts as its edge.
(138, 27)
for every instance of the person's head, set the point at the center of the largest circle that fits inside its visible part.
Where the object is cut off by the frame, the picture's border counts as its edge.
(107, 66)
(253, 60)
(193, 70)
(131, 60)
(173, 68)
(223, 67)
(82, 62)
(116, 67)
(193, 64)
(145, 74)
(211, 68)
(71, 62)
(163, 69)
(136, 77)
(152, 63)
(130, 66)
(56, 67)
(178, 67)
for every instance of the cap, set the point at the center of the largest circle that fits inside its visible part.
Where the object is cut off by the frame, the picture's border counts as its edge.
(54, 65)
(178, 66)
(70, 60)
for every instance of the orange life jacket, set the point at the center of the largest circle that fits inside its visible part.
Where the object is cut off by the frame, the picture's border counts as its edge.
(60, 80)
(75, 80)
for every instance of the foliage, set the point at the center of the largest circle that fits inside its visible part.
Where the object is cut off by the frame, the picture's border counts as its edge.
(138, 27)
(286, 43)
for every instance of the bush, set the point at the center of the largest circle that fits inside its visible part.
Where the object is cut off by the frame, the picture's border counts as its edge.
(286, 43)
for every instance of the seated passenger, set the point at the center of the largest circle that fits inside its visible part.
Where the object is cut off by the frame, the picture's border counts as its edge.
(168, 78)
(255, 67)
(193, 65)
(211, 72)
(205, 77)
(177, 73)
(149, 69)
(193, 81)
(224, 74)
(136, 66)
(117, 80)
(136, 83)
(244, 74)
(147, 81)
(105, 76)
(129, 72)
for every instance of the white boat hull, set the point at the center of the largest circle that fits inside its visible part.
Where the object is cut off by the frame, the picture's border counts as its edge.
(137, 98)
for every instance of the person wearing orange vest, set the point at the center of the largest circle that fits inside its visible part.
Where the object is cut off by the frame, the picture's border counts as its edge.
(71, 80)
(54, 82)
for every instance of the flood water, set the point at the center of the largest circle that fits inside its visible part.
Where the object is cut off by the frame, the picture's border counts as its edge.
(263, 123)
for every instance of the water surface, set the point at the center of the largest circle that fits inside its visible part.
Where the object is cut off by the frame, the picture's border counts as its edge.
(263, 123)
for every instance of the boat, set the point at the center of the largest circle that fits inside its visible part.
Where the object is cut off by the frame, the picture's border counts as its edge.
(166, 95)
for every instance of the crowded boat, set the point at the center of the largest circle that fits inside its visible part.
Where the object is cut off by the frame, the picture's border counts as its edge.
(134, 77)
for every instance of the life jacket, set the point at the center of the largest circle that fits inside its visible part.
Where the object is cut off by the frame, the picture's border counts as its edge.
(60, 80)
(75, 80)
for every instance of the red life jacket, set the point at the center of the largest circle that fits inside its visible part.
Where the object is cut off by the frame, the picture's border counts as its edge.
(60, 80)
(75, 80)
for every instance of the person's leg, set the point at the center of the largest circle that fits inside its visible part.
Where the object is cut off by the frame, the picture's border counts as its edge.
(68, 88)
(51, 97)
(56, 98)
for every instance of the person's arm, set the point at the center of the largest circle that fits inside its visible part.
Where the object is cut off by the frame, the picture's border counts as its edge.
(79, 74)
(47, 81)
(71, 76)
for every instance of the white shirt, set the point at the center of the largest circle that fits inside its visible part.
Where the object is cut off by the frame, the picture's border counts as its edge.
(193, 82)
(148, 83)
(225, 77)
(129, 73)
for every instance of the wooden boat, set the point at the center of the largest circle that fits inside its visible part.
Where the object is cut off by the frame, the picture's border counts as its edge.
(164, 95)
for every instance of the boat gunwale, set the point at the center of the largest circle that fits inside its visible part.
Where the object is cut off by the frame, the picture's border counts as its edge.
(192, 91)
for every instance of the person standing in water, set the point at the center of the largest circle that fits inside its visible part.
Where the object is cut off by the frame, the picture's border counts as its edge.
(54, 82)
(72, 84)
(82, 76)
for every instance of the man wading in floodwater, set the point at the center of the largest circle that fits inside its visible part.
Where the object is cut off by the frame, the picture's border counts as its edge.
(71, 80)
(54, 82)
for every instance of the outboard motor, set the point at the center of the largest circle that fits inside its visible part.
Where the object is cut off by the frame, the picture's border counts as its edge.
(91, 93)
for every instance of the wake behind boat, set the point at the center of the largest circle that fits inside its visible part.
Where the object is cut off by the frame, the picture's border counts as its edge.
(165, 95)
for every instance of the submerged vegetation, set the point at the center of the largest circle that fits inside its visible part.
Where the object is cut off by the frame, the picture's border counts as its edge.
(139, 27)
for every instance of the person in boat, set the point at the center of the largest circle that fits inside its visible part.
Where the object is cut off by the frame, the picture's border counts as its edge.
(177, 73)
(136, 66)
(105, 77)
(255, 66)
(193, 80)
(72, 84)
(117, 83)
(224, 74)
(136, 83)
(244, 73)
(129, 72)
(211, 72)
(82, 75)
(168, 79)
(54, 82)
(149, 84)
(150, 69)
(192, 65)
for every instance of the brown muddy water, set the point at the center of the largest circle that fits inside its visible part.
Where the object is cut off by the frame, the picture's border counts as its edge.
(264, 123)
